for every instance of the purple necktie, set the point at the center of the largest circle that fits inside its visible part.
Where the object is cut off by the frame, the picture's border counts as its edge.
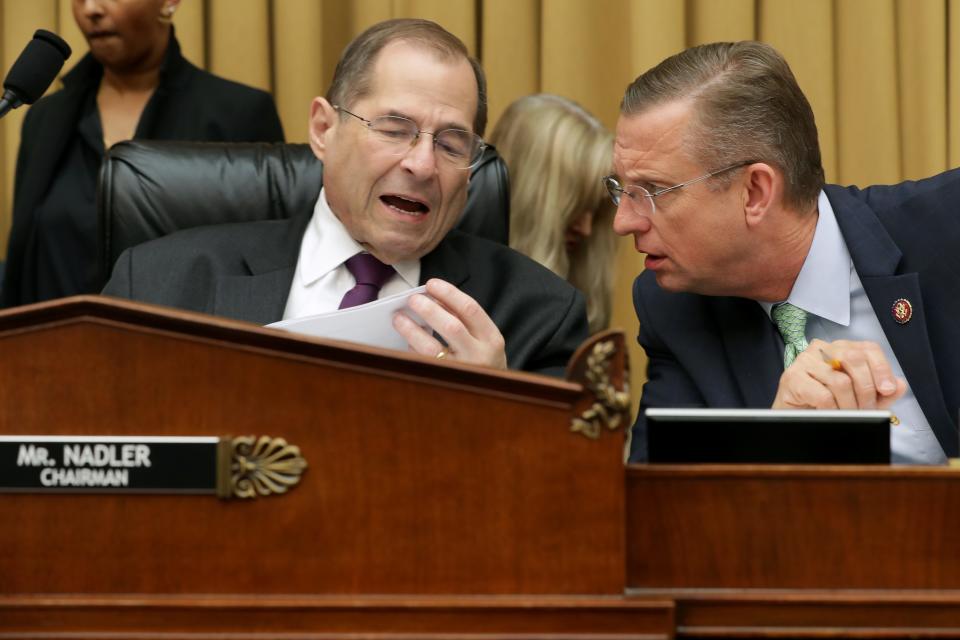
(370, 274)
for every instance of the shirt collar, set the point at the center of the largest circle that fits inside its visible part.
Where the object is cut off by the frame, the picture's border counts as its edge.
(823, 286)
(327, 244)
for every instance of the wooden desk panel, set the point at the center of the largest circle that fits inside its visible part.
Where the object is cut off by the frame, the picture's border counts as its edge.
(771, 527)
(383, 618)
(424, 477)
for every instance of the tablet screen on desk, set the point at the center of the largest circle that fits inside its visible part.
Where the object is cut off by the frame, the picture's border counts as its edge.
(773, 436)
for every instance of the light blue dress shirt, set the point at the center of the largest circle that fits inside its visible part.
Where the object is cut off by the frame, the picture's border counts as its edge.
(829, 290)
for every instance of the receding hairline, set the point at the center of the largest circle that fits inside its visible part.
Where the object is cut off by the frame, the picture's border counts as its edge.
(693, 95)
(449, 60)
(747, 105)
(353, 75)
(691, 126)
(442, 55)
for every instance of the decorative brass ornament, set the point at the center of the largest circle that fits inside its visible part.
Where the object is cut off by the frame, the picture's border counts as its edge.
(612, 406)
(261, 467)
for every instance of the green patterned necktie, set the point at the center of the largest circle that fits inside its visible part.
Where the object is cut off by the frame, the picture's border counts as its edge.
(791, 323)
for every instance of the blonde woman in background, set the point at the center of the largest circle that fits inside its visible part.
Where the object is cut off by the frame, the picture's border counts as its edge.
(560, 213)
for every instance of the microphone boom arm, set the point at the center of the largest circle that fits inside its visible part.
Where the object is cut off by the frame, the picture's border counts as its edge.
(8, 101)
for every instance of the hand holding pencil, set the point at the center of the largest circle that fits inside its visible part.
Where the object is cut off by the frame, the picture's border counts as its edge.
(835, 364)
(839, 375)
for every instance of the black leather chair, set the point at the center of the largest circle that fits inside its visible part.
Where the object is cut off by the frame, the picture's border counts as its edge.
(149, 189)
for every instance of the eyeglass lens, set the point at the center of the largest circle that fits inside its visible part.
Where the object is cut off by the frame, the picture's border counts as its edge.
(638, 198)
(457, 147)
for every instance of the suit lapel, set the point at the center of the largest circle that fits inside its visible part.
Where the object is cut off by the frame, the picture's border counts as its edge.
(911, 344)
(174, 73)
(57, 132)
(876, 258)
(752, 348)
(446, 263)
(260, 296)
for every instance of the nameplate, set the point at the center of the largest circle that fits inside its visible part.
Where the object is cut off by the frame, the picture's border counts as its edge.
(242, 467)
(93, 463)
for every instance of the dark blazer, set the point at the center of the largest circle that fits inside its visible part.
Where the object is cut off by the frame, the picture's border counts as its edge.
(188, 104)
(725, 352)
(245, 270)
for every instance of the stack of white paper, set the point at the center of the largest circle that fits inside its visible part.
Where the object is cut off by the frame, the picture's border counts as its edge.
(370, 323)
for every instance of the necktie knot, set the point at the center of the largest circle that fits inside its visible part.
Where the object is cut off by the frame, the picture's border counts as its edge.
(370, 274)
(366, 269)
(792, 324)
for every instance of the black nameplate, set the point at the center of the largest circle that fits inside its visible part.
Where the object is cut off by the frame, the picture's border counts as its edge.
(108, 464)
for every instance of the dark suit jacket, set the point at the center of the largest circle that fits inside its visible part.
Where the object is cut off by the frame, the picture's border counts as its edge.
(245, 270)
(725, 352)
(188, 104)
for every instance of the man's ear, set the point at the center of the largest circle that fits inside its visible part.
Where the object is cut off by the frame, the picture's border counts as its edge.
(762, 188)
(323, 118)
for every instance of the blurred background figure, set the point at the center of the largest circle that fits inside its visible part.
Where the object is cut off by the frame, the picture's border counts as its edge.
(560, 214)
(133, 83)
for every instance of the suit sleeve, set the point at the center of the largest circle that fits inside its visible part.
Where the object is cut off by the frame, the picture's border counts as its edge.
(120, 284)
(668, 384)
(9, 285)
(570, 333)
(23, 154)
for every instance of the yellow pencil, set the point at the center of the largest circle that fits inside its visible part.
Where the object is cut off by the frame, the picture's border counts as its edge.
(837, 366)
(833, 362)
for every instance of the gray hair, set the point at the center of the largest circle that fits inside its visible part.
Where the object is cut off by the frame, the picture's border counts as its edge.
(351, 79)
(747, 107)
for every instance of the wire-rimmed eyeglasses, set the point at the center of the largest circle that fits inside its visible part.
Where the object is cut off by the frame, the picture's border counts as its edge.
(642, 199)
(456, 147)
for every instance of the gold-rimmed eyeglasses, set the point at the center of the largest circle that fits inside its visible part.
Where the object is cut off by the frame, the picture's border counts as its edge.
(642, 198)
(455, 147)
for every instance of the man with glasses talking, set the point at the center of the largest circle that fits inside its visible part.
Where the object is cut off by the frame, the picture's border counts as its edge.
(398, 132)
(764, 287)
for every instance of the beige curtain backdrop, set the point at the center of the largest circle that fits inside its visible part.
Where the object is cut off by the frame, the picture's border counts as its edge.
(882, 75)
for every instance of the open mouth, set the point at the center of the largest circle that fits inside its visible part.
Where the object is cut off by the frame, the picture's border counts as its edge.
(653, 261)
(405, 206)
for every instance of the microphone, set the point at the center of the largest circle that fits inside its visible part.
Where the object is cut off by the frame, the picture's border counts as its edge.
(31, 74)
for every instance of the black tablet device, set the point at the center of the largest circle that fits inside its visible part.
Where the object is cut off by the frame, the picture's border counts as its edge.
(768, 436)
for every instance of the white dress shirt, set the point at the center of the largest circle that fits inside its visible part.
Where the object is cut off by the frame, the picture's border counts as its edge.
(321, 278)
(829, 290)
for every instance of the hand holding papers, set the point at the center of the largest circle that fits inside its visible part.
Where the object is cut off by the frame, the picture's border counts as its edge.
(413, 320)
(468, 333)
(370, 324)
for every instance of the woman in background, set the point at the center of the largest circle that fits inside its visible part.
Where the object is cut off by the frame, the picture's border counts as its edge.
(134, 83)
(560, 214)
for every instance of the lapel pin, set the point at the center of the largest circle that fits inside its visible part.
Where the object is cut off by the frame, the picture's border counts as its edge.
(902, 311)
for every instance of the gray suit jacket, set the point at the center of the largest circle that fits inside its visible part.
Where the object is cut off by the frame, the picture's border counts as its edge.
(244, 271)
